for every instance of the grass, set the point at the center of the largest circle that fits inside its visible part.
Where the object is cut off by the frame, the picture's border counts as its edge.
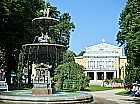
(94, 88)
(124, 93)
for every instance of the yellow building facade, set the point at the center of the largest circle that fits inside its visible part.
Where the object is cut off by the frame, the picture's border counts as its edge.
(103, 61)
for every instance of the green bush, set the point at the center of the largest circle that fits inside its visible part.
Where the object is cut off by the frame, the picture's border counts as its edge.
(70, 76)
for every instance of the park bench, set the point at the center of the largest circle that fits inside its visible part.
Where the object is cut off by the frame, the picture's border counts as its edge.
(4, 86)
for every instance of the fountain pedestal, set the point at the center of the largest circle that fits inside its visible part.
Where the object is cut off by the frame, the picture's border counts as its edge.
(42, 81)
(42, 91)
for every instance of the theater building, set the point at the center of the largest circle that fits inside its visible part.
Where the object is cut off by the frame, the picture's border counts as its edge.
(103, 61)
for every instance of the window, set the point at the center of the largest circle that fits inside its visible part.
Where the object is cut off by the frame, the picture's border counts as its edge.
(97, 64)
(109, 64)
(100, 75)
(90, 64)
(112, 64)
(91, 75)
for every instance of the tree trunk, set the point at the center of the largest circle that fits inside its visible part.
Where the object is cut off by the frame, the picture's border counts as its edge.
(29, 71)
(10, 64)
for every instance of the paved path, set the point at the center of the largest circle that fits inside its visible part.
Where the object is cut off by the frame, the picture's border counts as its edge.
(109, 97)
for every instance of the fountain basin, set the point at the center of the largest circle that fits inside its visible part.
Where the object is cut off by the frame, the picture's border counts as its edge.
(26, 97)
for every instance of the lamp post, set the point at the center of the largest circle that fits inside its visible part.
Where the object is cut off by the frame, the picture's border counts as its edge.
(13, 74)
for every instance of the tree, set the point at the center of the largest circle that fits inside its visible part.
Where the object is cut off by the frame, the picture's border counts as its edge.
(81, 53)
(70, 75)
(61, 32)
(69, 56)
(16, 28)
(2, 64)
(19, 70)
(129, 37)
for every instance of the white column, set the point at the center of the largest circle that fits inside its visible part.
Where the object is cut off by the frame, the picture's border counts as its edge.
(85, 73)
(115, 74)
(95, 75)
(104, 75)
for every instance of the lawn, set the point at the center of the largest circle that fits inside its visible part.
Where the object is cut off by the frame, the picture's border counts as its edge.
(124, 93)
(93, 88)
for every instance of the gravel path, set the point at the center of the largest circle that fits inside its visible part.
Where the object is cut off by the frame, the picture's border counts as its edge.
(109, 97)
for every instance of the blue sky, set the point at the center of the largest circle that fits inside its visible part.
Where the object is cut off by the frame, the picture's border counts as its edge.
(94, 20)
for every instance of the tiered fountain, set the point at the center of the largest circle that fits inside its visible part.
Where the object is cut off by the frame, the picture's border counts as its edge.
(41, 56)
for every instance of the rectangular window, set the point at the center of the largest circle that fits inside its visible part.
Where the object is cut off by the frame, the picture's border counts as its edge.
(103, 65)
(97, 64)
(100, 75)
(90, 64)
(107, 64)
(112, 64)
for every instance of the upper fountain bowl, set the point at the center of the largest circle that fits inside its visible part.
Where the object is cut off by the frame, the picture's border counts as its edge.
(45, 21)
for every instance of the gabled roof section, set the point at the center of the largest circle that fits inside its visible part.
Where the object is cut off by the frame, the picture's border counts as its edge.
(103, 49)
(102, 46)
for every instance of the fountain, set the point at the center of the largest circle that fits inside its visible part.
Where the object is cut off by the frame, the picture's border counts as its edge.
(41, 57)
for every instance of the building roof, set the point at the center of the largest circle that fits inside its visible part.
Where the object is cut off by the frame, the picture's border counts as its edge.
(103, 49)
(79, 57)
(103, 45)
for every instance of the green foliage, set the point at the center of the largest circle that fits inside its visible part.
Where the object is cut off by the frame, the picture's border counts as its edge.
(70, 75)
(69, 56)
(16, 27)
(93, 88)
(16, 21)
(61, 32)
(115, 80)
(124, 93)
(2, 59)
(129, 26)
(129, 37)
(19, 71)
(132, 76)
(81, 53)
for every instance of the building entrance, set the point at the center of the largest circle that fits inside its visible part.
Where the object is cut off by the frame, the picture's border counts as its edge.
(91, 75)
(109, 75)
(100, 75)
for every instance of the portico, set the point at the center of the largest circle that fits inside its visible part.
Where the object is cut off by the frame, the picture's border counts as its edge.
(102, 61)
(101, 75)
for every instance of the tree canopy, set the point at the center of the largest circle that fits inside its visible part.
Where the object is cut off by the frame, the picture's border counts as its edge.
(16, 27)
(129, 37)
(70, 75)
(69, 56)
(16, 21)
